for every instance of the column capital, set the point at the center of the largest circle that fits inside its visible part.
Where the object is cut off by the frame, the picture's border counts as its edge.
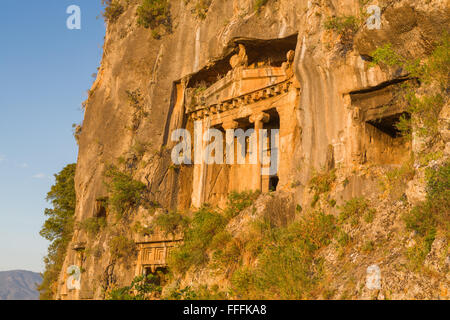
(230, 124)
(259, 117)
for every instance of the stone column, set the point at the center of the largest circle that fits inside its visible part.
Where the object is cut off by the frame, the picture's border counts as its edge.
(229, 127)
(229, 148)
(258, 119)
(200, 167)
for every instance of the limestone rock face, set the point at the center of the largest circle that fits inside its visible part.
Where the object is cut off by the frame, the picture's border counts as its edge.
(312, 83)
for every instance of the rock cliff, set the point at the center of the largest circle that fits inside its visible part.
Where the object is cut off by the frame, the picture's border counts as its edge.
(339, 145)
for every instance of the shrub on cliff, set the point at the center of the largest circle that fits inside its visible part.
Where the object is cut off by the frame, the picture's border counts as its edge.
(93, 225)
(431, 216)
(343, 24)
(113, 10)
(431, 74)
(122, 247)
(171, 223)
(205, 224)
(140, 289)
(206, 231)
(58, 228)
(125, 193)
(154, 13)
(291, 249)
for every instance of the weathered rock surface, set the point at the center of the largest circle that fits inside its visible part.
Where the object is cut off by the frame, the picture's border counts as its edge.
(328, 121)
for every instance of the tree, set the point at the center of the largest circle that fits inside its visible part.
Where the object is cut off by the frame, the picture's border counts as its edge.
(58, 228)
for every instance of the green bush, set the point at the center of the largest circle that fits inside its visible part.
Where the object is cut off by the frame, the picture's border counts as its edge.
(203, 292)
(206, 232)
(58, 228)
(113, 10)
(431, 216)
(205, 224)
(93, 225)
(343, 238)
(239, 201)
(171, 223)
(140, 289)
(368, 246)
(122, 247)
(227, 254)
(142, 230)
(290, 249)
(432, 75)
(354, 209)
(154, 13)
(125, 193)
(342, 24)
(201, 8)
(321, 183)
(395, 180)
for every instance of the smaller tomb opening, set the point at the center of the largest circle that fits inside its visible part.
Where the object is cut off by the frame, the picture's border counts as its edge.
(159, 275)
(388, 125)
(100, 209)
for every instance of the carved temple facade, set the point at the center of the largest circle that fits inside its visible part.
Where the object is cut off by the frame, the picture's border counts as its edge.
(153, 253)
(257, 96)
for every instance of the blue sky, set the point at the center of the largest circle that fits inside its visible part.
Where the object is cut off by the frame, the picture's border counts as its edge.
(45, 72)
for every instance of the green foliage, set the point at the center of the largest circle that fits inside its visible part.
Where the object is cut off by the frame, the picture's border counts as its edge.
(431, 216)
(435, 68)
(58, 228)
(354, 209)
(125, 193)
(203, 292)
(142, 230)
(141, 288)
(343, 238)
(207, 231)
(438, 66)
(321, 183)
(342, 24)
(368, 246)
(227, 252)
(139, 149)
(93, 225)
(113, 10)
(201, 8)
(290, 249)
(432, 74)
(205, 224)
(388, 56)
(122, 247)
(154, 13)
(171, 222)
(394, 181)
(369, 216)
(239, 201)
